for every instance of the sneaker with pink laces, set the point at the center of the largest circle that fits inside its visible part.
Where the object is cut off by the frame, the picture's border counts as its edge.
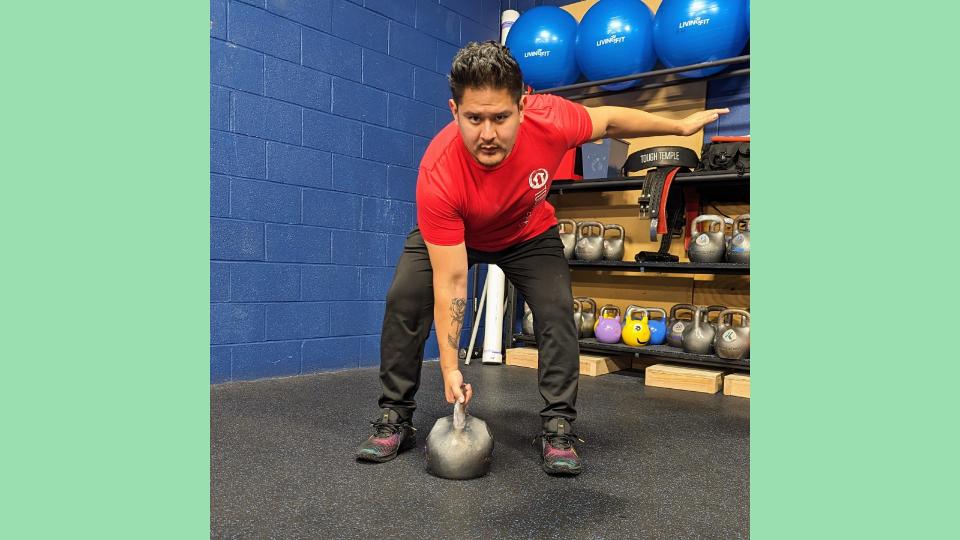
(391, 437)
(558, 450)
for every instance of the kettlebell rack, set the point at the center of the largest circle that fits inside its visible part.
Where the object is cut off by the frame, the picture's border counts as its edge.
(560, 187)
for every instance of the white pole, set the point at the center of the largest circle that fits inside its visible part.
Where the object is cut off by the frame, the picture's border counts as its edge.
(493, 327)
(507, 18)
(476, 322)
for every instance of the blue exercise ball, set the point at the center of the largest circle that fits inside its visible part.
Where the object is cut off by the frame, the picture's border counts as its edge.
(615, 38)
(543, 41)
(692, 31)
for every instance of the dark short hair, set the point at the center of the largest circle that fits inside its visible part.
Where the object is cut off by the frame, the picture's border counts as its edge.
(485, 65)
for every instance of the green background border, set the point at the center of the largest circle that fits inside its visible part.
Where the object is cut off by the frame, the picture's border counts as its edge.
(105, 328)
(105, 205)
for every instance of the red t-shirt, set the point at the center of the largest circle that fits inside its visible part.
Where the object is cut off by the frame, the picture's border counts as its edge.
(459, 200)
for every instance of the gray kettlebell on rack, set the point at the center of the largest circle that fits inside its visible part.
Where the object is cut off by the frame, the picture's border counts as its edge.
(569, 239)
(613, 247)
(706, 246)
(527, 319)
(738, 248)
(698, 336)
(678, 325)
(589, 246)
(715, 321)
(588, 317)
(733, 341)
(577, 314)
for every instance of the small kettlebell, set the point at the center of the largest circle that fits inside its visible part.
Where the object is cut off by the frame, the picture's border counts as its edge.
(678, 325)
(577, 315)
(608, 324)
(569, 239)
(613, 247)
(732, 341)
(588, 311)
(698, 337)
(636, 331)
(589, 245)
(658, 327)
(706, 246)
(527, 319)
(738, 248)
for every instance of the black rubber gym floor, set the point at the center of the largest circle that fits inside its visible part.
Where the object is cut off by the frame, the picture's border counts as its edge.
(657, 463)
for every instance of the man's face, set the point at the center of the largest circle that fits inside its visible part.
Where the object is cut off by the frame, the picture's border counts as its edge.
(489, 121)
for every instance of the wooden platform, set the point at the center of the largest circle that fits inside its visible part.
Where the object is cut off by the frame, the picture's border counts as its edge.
(590, 365)
(737, 384)
(707, 381)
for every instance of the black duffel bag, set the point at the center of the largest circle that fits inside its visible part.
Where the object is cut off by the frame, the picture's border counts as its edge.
(724, 154)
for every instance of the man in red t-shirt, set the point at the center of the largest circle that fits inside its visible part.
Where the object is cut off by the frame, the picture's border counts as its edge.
(481, 197)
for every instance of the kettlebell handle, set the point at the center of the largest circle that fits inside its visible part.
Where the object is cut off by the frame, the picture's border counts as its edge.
(711, 218)
(742, 218)
(562, 222)
(633, 309)
(460, 411)
(615, 227)
(745, 317)
(585, 300)
(585, 224)
(651, 310)
(686, 307)
(609, 307)
(714, 308)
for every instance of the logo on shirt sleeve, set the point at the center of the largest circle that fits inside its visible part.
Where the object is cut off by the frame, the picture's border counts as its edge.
(538, 178)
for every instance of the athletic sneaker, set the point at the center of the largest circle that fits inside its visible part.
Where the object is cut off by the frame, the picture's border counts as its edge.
(391, 437)
(558, 450)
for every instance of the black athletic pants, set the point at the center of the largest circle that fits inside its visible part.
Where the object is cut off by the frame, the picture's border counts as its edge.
(536, 267)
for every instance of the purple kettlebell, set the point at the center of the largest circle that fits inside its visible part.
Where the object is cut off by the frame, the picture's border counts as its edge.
(608, 325)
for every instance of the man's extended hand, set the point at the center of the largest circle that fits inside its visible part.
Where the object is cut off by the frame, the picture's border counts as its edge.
(697, 120)
(452, 381)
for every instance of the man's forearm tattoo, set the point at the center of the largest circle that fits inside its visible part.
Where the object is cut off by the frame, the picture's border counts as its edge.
(457, 308)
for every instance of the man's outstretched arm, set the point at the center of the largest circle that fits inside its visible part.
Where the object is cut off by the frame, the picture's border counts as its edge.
(626, 123)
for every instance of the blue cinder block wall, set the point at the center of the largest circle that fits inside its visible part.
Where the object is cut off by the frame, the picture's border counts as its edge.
(320, 111)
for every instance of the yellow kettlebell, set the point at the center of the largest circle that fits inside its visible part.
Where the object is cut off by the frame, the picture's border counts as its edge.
(636, 330)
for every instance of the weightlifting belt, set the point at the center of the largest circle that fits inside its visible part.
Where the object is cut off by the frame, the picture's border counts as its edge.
(666, 162)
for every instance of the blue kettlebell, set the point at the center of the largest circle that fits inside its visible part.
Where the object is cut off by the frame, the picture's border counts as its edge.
(658, 327)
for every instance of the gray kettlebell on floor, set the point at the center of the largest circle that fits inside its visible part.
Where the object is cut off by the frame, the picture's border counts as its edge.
(527, 319)
(738, 248)
(613, 247)
(706, 246)
(569, 239)
(698, 336)
(459, 447)
(588, 317)
(678, 325)
(589, 246)
(733, 341)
